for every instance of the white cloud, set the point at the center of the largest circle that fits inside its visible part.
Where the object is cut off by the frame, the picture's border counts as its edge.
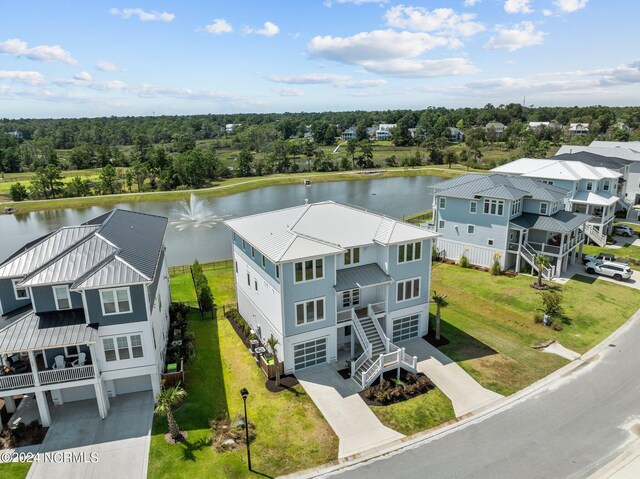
(84, 76)
(219, 26)
(337, 80)
(471, 3)
(46, 53)
(547, 13)
(269, 29)
(569, 6)
(520, 35)
(25, 77)
(443, 20)
(409, 68)
(328, 3)
(517, 6)
(105, 66)
(143, 15)
(294, 91)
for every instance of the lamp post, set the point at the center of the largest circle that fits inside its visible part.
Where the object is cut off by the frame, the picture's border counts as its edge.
(244, 393)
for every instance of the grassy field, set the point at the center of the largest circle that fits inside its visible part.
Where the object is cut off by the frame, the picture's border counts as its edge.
(489, 321)
(14, 470)
(291, 432)
(417, 414)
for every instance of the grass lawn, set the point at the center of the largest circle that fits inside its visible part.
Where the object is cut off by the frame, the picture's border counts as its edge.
(14, 470)
(489, 321)
(628, 252)
(417, 414)
(291, 432)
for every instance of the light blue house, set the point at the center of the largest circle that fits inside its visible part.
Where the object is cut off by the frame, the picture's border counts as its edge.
(333, 283)
(508, 219)
(85, 312)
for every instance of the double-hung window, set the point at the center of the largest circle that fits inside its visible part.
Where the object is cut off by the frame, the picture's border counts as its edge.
(471, 229)
(606, 185)
(473, 207)
(494, 207)
(516, 207)
(589, 186)
(352, 256)
(61, 295)
(309, 270)
(115, 301)
(309, 311)
(442, 203)
(409, 289)
(544, 207)
(123, 347)
(411, 251)
(20, 293)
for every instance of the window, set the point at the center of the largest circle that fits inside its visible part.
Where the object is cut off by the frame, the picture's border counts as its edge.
(244, 244)
(236, 267)
(589, 185)
(494, 207)
(309, 311)
(109, 349)
(136, 346)
(606, 185)
(442, 203)
(408, 289)
(412, 251)
(264, 262)
(516, 207)
(248, 280)
(278, 271)
(489, 242)
(543, 208)
(123, 347)
(253, 252)
(548, 182)
(352, 256)
(471, 229)
(473, 207)
(115, 301)
(20, 293)
(350, 298)
(441, 224)
(61, 295)
(71, 351)
(255, 284)
(309, 270)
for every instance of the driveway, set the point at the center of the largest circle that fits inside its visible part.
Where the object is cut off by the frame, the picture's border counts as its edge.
(578, 268)
(464, 392)
(350, 418)
(121, 441)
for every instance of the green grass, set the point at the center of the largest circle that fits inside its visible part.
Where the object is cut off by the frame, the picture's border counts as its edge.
(419, 218)
(416, 414)
(14, 470)
(489, 321)
(291, 432)
(627, 252)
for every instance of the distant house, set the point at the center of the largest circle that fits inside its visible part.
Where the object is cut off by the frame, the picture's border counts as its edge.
(622, 126)
(455, 134)
(578, 129)
(16, 134)
(537, 125)
(349, 134)
(371, 132)
(229, 127)
(383, 133)
(496, 126)
(412, 132)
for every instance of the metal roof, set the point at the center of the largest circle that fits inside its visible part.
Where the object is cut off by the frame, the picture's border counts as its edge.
(319, 229)
(360, 277)
(41, 331)
(42, 252)
(560, 222)
(557, 169)
(498, 186)
(634, 145)
(593, 159)
(591, 198)
(111, 272)
(614, 152)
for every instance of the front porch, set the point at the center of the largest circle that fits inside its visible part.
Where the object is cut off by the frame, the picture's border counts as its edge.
(600, 207)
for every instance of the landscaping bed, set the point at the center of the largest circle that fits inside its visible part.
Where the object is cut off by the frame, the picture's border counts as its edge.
(392, 390)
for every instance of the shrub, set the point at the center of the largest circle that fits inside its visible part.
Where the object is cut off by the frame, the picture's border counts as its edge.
(552, 302)
(496, 270)
(203, 291)
(464, 261)
(18, 192)
(556, 325)
(538, 317)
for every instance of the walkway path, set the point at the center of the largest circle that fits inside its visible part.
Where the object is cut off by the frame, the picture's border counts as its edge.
(464, 391)
(559, 350)
(339, 402)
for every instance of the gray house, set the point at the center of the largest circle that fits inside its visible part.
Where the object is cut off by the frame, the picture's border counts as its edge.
(511, 219)
(333, 283)
(85, 312)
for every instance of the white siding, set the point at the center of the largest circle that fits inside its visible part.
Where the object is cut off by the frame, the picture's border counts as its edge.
(478, 255)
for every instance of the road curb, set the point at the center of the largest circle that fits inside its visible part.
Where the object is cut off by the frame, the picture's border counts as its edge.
(478, 415)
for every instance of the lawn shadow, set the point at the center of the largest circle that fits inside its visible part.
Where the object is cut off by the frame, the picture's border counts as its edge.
(258, 473)
(462, 346)
(188, 449)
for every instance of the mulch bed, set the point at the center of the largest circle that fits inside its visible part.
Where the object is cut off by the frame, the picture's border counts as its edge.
(430, 337)
(170, 440)
(389, 376)
(287, 381)
(238, 331)
(544, 286)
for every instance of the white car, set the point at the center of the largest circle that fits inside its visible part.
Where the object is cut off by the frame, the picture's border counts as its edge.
(617, 271)
(623, 230)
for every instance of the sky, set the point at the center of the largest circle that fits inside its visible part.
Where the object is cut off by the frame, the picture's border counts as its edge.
(101, 58)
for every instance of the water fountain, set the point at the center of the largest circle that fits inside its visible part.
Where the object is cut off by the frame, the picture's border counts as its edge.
(194, 214)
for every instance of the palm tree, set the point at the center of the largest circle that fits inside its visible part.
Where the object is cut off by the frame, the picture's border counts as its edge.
(541, 262)
(165, 400)
(273, 344)
(441, 302)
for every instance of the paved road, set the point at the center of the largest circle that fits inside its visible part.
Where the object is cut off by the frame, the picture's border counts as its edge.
(568, 430)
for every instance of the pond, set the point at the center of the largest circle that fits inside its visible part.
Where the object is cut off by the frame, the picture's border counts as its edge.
(396, 197)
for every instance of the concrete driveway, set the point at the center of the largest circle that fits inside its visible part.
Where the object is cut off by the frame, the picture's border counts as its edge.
(578, 268)
(121, 441)
(464, 391)
(350, 418)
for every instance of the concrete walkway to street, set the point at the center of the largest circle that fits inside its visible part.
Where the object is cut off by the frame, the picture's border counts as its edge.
(464, 392)
(339, 402)
(120, 442)
(559, 350)
(578, 269)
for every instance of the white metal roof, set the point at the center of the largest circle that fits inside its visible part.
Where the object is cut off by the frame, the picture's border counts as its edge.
(634, 145)
(521, 166)
(614, 152)
(113, 271)
(319, 229)
(591, 198)
(550, 169)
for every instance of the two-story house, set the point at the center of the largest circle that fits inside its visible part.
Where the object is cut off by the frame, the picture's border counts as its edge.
(509, 219)
(593, 190)
(383, 133)
(85, 312)
(333, 282)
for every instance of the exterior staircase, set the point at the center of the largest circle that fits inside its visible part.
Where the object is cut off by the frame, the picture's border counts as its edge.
(595, 235)
(529, 254)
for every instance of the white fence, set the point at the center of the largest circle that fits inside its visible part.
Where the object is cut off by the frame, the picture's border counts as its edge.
(477, 255)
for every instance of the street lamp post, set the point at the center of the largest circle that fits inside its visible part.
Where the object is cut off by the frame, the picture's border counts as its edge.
(244, 393)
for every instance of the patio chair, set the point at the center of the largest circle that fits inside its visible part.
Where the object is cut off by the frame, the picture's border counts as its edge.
(17, 365)
(82, 357)
(59, 362)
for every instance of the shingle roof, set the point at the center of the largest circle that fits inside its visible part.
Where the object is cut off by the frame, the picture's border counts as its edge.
(498, 186)
(41, 331)
(560, 222)
(320, 229)
(360, 277)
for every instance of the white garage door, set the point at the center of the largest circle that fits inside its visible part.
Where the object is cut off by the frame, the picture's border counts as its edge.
(133, 385)
(405, 328)
(310, 353)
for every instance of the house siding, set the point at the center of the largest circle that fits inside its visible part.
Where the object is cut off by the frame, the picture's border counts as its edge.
(138, 307)
(269, 268)
(153, 287)
(44, 301)
(413, 269)
(8, 301)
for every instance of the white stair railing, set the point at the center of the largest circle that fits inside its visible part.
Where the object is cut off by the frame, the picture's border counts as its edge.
(372, 372)
(385, 339)
(593, 233)
(529, 254)
(357, 364)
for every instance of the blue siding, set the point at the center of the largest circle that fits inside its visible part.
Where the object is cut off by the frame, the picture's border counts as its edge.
(8, 298)
(52, 353)
(44, 301)
(297, 292)
(138, 306)
(413, 269)
(269, 267)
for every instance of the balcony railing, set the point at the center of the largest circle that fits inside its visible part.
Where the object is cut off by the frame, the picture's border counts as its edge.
(66, 374)
(545, 248)
(344, 316)
(16, 381)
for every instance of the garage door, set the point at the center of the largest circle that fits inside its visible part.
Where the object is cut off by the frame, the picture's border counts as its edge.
(310, 353)
(405, 328)
(133, 385)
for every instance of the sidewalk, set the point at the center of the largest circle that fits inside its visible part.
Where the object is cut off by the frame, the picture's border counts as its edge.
(625, 466)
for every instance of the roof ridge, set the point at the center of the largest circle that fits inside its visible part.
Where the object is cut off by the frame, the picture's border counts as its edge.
(93, 270)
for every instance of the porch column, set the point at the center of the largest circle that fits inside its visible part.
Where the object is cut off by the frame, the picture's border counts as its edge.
(43, 408)
(34, 368)
(10, 404)
(353, 342)
(101, 397)
(155, 385)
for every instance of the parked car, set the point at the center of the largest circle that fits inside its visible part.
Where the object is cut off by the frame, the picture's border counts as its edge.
(623, 230)
(616, 271)
(601, 258)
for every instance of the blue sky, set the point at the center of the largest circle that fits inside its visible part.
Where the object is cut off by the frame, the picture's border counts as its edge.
(73, 59)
